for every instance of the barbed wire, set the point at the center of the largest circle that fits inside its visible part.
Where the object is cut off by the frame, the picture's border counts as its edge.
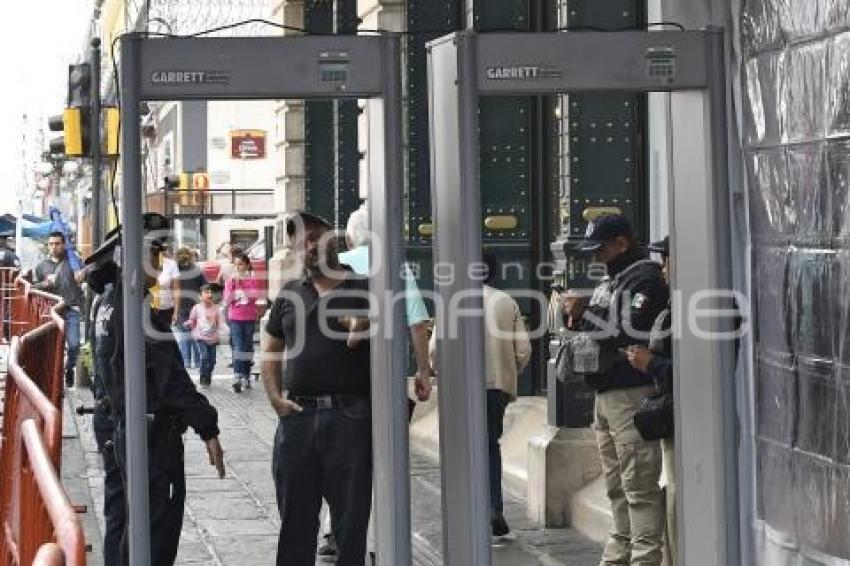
(184, 17)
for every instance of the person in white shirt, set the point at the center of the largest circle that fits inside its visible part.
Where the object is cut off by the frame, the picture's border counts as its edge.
(168, 291)
(507, 350)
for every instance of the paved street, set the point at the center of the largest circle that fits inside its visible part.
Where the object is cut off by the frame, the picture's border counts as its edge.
(235, 521)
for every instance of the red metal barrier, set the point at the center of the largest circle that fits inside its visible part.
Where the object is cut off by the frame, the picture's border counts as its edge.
(49, 554)
(31, 308)
(44, 360)
(44, 505)
(24, 400)
(41, 354)
(34, 509)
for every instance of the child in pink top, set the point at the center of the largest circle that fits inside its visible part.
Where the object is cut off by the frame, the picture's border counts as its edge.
(205, 322)
(240, 296)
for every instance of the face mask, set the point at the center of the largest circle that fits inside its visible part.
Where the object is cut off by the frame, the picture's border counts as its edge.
(102, 276)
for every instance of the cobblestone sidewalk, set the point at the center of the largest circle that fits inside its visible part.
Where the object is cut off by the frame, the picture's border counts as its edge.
(234, 521)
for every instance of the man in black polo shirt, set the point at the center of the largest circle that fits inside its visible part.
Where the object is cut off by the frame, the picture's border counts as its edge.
(316, 375)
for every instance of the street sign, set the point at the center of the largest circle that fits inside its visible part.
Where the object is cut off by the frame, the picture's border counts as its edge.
(248, 144)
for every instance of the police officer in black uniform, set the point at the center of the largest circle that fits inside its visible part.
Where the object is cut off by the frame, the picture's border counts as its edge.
(656, 361)
(114, 501)
(173, 403)
(8, 258)
(621, 313)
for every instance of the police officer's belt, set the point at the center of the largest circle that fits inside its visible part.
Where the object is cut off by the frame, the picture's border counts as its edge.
(321, 402)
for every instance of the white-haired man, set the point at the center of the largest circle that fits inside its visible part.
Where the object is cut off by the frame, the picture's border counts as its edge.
(357, 235)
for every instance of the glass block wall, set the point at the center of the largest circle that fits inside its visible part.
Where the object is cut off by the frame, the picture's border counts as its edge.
(796, 137)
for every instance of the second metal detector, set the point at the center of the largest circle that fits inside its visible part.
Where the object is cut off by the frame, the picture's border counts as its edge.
(464, 66)
(324, 67)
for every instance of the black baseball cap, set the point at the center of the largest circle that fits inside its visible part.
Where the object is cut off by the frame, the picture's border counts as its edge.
(150, 221)
(301, 218)
(660, 247)
(604, 228)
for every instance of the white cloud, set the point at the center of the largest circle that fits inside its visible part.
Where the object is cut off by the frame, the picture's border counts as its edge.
(39, 40)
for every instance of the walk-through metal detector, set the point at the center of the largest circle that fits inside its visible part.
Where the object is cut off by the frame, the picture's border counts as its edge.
(310, 67)
(464, 66)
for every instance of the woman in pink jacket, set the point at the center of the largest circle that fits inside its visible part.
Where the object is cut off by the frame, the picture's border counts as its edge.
(241, 291)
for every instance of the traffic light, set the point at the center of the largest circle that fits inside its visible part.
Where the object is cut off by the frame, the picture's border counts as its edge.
(77, 132)
(180, 182)
(75, 141)
(191, 186)
(79, 86)
(57, 144)
(75, 121)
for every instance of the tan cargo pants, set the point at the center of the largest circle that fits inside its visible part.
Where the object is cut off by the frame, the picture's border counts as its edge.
(632, 468)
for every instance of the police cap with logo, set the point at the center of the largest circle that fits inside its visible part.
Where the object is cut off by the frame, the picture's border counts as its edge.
(604, 229)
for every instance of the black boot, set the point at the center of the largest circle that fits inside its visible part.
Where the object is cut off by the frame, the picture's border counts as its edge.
(328, 547)
(499, 525)
(69, 377)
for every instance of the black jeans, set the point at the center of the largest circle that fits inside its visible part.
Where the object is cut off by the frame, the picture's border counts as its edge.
(114, 502)
(166, 491)
(497, 402)
(324, 453)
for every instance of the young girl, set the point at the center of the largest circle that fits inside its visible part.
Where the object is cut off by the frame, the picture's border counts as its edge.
(240, 297)
(189, 292)
(205, 322)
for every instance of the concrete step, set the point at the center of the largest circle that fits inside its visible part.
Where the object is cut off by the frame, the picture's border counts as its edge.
(591, 512)
(523, 418)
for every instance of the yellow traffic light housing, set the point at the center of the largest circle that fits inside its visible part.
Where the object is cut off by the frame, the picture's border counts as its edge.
(74, 122)
(111, 122)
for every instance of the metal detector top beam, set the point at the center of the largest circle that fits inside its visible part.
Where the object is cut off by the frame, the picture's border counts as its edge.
(513, 64)
(226, 68)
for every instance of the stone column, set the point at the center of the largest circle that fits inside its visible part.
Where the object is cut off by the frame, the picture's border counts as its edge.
(561, 462)
(385, 15)
(289, 152)
(289, 142)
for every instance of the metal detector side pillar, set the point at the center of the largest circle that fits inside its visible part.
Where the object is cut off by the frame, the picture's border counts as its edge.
(389, 387)
(96, 145)
(132, 280)
(706, 443)
(453, 110)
